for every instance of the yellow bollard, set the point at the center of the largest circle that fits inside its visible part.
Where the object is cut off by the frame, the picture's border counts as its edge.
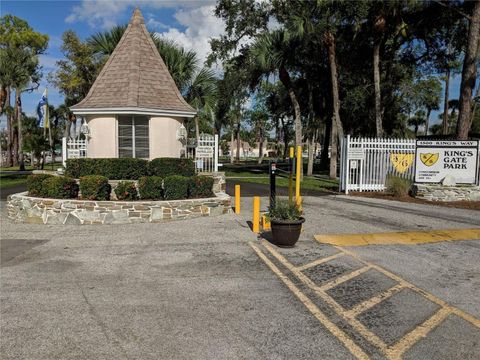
(237, 199)
(265, 223)
(256, 214)
(299, 203)
(298, 174)
(292, 152)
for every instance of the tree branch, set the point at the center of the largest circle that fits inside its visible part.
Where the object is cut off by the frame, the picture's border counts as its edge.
(447, 5)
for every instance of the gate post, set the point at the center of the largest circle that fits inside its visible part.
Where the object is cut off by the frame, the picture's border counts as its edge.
(64, 151)
(215, 154)
(346, 168)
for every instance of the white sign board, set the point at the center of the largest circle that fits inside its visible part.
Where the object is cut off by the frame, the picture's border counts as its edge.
(356, 154)
(435, 159)
(73, 153)
(204, 152)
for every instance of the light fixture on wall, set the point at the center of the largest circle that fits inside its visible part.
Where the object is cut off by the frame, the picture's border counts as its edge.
(182, 133)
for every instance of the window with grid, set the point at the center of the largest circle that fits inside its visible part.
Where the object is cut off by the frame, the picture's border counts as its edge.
(133, 140)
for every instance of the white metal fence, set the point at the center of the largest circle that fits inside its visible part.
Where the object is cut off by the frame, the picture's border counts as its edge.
(205, 153)
(73, 149)
(366, 162)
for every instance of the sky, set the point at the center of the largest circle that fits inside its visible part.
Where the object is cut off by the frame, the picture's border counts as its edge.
(190, 23)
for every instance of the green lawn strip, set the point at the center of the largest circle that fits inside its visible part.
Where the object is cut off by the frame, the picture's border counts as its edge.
(309, 182)
(56, 165)
(9, 180)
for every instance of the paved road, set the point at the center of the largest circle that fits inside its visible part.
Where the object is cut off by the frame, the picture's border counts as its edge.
(199, 289)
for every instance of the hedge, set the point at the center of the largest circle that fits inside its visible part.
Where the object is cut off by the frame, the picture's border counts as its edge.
(164, 167)
(113, 169)
(151, 187)
(59, 187)
(34, 184)
(95, 187)
(126, 190)
(175, 187)
(200, 187)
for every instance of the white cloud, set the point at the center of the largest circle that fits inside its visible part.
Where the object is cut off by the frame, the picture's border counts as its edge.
(105, 13)
(201, 25)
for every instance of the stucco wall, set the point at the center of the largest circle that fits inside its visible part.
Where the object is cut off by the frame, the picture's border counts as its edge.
(163, 137)
(103, 139)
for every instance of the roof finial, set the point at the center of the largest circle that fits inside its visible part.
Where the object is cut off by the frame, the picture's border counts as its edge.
(137, 17)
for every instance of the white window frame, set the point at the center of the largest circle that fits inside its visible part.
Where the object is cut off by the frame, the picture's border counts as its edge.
(133, 136)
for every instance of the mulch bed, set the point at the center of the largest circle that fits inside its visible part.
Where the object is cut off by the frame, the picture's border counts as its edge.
(471, 205)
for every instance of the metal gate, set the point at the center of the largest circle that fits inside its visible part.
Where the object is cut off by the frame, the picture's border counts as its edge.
(205, 153)
(366, 162)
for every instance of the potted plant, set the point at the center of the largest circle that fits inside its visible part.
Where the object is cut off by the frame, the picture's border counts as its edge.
(286, 222)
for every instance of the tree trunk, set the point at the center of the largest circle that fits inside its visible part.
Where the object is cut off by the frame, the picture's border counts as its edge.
(286, 81)
(445, 103)
(260, 150)
(285, 138)
(9, 129)
(333, 151)
(378, 95)
(238, 141)
(469, 74)
(337, 128)
(232, 139)
(326, 144)
(277, 137)
(310, 156)
(427, 121)
(18, 105)
(3, 97)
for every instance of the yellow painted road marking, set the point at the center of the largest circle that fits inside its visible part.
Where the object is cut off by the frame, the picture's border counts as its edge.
(339, 334)
(396, 351)
(341, 279)
(471, 319)
(319, 261)
(357, 325)
(368, 304)
(409, 238)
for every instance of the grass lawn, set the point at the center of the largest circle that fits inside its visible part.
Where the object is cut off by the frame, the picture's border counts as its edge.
(56, 165)
(309, 182)
(8, 180)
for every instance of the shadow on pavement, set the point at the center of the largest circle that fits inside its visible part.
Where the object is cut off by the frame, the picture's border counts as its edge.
(248, 189)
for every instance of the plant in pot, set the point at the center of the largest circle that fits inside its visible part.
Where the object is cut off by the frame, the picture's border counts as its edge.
(286, 222)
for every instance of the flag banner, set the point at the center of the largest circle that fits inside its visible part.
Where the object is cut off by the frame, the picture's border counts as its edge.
(42, 112)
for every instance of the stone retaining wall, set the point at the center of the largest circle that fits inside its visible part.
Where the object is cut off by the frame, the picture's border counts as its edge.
(436, 192)
(24, 208)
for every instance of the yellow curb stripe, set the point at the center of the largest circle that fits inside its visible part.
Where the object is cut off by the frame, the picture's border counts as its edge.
(357, 325)
(341, 279)
(319, 261)
(396, 351)
(339, 334)
(368, 304)
(408, 238)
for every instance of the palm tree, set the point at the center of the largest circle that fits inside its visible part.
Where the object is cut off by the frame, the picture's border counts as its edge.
(417, 121)
(274, 51)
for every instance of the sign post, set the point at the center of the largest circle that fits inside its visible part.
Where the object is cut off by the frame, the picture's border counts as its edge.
(437, 159)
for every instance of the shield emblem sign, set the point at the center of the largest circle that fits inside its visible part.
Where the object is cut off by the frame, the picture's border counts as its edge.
(401, 162)
(429, 159)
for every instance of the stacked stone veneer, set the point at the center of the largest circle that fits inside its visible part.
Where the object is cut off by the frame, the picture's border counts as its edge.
(24, 208)
(437, 192)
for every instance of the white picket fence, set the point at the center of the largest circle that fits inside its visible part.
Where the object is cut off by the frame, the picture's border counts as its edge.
(205, 154)
(73, 149)
(366, 162)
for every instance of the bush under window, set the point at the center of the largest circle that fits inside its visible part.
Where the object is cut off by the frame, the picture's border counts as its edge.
(176, 187)
(95, 187)
(164, 167)
(113, 169)
(126, 190)
(151, 187)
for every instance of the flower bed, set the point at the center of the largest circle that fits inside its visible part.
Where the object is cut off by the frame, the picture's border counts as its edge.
(24, 208)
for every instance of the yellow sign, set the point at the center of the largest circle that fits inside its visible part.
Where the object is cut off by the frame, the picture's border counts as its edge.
(402, 162)
(429, 158)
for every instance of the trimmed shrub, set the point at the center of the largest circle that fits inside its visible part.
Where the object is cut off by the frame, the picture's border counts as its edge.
(34, 184)
(397, 186)
(150, 187)
(164, 167)
(113, 169)
(59, 187)
(200, 187)
(126, 190)
(175, 187)
(95, 187)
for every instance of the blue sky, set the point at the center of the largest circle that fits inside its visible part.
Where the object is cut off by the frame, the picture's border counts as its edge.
(190, 23)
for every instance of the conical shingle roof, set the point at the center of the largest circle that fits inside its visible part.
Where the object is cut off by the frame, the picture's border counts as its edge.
(134, 77)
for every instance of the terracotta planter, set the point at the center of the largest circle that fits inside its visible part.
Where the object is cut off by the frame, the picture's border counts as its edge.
(286, 232)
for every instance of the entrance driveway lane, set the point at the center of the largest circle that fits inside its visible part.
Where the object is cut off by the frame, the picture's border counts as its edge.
(179, 290)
